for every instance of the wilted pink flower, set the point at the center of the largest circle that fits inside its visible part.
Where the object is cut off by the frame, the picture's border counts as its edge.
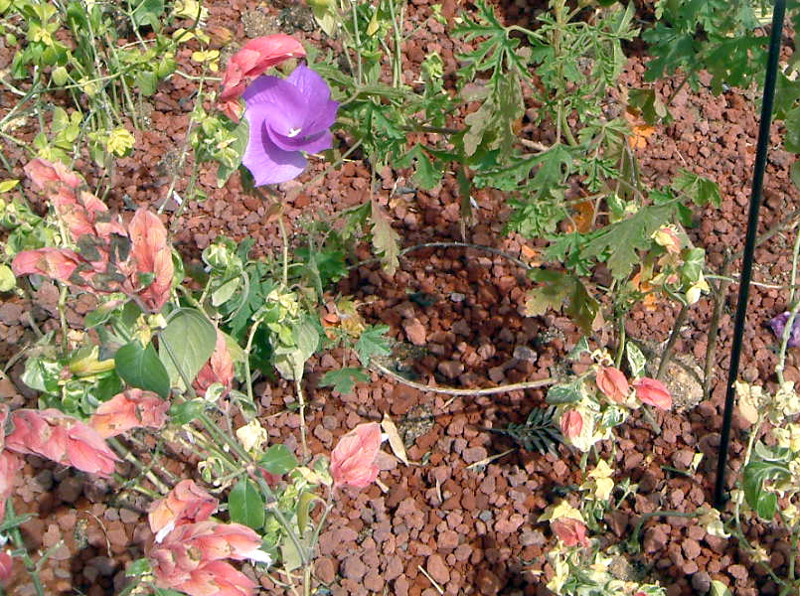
(43, 173)
(55, 263)
(653, 393)
(10, 465)
(133, 408)
(151, 255)
(612, 382)
(190, 558)
(146, 273)
(570, 531)
(571, 424)
(81, 211)
(61, 438)
(218, 369)
(353, 458)
(6, 566)
(255, 57)
(186, 503)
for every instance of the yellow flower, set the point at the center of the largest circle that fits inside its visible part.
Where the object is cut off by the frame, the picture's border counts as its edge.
(120, 141)
(252, 435)
(601, 481)
(561, 511)
(667, 236)
(694, 292)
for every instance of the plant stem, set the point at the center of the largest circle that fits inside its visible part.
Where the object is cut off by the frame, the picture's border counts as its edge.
(666, 355)
(30, 566)
(302, 400)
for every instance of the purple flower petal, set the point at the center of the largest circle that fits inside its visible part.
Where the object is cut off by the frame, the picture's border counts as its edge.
(287, 116)
(778, 325)
(268, 163)
(321, 111)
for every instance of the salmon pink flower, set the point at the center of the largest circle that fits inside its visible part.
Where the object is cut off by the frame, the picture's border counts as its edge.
(612, 382)
(150, 256)
(61, 438)
(353, 458)
(6, 565)
(571, 424)
(103, 264)
(55, 263)
(653, 393)
(185, 503)
(43, 173)
(218, 369)
(190, 558)
(778, 324)
(287, 117)
(570, 531)
(132, 408)
(255, 57)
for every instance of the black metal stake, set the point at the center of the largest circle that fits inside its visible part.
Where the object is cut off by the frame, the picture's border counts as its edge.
(749, 245)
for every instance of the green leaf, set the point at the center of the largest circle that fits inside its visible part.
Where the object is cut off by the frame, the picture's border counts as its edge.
(187, 411)
(719, 589)
(617, 243)
(557, 289)
(290, 360)
(240, 135)
(7, 279)
(373, 342)
(142, 368)
(186, 343)
(278, 459)
(565, 394)
(246, 505)
(760, 470)
(343, 379)
(147, 81)
(146, 12)
(636, 359)
(701, 190)
(385, 240)
(649, 104)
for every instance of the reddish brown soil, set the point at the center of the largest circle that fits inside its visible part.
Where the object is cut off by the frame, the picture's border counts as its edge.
(473, 530)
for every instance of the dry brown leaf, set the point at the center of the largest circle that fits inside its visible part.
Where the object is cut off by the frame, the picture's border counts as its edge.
(395, 442)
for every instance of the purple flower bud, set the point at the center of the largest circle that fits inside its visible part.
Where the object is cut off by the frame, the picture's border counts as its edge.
(287, 117)
(778, 324)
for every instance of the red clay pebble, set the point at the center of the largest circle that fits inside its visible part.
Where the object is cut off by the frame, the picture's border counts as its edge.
(325, 570)
(654, 539)
(488, 583)
(415, 331)
(437, 569)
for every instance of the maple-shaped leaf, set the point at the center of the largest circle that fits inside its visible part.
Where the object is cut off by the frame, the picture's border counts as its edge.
(558, 289)
(373, 342)
(385, 240)
(619, 242)
(701, 190)
(343, 379)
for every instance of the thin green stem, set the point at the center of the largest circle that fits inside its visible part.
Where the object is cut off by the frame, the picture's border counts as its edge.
(30, 566)
(303, 430)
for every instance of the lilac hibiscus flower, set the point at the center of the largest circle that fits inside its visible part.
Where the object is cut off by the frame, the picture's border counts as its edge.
(287, 117)
(778, 324)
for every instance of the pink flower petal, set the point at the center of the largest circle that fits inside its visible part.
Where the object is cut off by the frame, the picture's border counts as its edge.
(353, 458)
